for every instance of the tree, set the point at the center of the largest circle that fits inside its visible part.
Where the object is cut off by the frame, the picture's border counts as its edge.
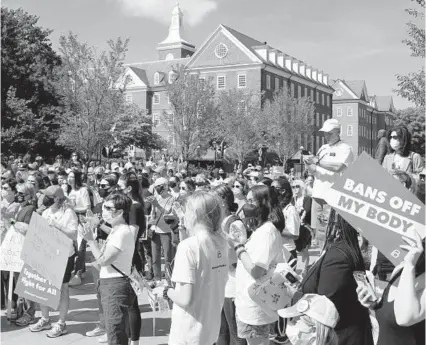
(414, 119)
(192, 103)
(92, 89)
(28, 100)
(412, 86)
(286, 122)
(237, 121)
(135, 128)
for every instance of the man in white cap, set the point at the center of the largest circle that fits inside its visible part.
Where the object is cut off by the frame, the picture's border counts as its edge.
(329, 163)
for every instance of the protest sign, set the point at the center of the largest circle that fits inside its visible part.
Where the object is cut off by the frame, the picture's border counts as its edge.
(377, 205)
(36, 288)
(46, 250)
(10, 251)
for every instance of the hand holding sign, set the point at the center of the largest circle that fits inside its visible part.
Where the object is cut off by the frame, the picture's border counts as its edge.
(414, 248)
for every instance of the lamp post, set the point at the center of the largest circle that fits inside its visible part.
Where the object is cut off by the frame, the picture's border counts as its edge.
(214, 149)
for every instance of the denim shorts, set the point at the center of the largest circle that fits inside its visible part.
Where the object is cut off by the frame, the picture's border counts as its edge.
(117, 296)
(246, 331)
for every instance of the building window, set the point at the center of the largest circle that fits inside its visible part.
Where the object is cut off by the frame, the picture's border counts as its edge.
(168, 99)
(202, 81)
(339, 111)
(299, 91)
(292, 89)
(221, 82)
(242, 80)
(156, 98)
(350, 111)
(328, 100)
(317, 141)
(317, 98)
(277, 84)
(349, 131)
(268, 82)
(312, 95)
(170, 139)
(129, 98)
(155, 120)
(306, 92)
(156, 78)
(322, 99)
(318, 119)
(171, 77)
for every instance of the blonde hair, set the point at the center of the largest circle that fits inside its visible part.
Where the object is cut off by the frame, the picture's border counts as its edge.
(325, 335)
(204, 208)
(301, 186)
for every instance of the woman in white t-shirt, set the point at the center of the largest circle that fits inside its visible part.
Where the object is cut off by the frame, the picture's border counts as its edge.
(263, 250)
(200, 273)
(61, 216)
(233, 225)
(115, 261)
(79, 197)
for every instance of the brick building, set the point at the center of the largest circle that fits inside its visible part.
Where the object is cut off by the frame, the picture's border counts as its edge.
(232, 60)
(361, 115)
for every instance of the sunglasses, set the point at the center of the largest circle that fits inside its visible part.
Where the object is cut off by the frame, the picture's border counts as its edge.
(296, 187)
(394, 137)
(104, 186)
(108, 208)
(237, 186)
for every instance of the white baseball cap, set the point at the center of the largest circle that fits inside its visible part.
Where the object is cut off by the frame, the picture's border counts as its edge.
(329, 125)
(161, 181)
(317, 307)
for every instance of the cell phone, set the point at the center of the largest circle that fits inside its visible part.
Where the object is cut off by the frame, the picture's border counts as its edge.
(362, 281)
(291, 278)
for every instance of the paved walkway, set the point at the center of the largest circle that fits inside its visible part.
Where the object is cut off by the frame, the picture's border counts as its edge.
(82, 317)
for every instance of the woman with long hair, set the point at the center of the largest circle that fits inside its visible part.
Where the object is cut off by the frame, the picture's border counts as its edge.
(332, 276)
(401, 157)
(61, 216)
(240, 189)
(114, 261)
(79, 197)
(263, 250)
(231, 224)
(200, 273)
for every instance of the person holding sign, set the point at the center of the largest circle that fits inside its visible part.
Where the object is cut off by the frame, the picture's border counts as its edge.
(115, 261)
(401, 311)
(330, 162)
(61, 216)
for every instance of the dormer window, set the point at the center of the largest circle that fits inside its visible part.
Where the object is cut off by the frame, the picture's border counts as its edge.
(156, 78)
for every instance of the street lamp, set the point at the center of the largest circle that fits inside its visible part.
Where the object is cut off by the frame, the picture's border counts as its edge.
(214, 143)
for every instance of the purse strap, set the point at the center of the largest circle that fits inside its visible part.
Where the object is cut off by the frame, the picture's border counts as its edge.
(119, 271)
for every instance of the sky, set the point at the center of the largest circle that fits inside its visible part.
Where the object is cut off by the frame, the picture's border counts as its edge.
(352, 40)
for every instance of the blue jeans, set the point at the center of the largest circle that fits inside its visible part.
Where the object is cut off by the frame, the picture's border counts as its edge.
(161, 240)
(117, 296)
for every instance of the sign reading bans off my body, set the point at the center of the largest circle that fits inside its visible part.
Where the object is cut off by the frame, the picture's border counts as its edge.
(46, 250)
(378, 205)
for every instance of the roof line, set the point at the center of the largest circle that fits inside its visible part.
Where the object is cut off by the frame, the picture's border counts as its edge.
(141, 63)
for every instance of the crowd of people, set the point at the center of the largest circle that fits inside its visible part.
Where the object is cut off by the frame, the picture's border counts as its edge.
(220, 234)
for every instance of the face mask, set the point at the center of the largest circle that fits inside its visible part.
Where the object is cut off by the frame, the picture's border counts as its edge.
(98, 176)
(222, 175)
(48, 201)
(236, 191)
(20, 198)
(297, 337)
(108, 217)
(395, 144)
(172, 184)
(103, 193)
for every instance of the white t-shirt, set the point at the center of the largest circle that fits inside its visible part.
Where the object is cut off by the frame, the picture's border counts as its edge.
(81, 198)
(206, 268)
(292, 225)
(239, 228)
(265, 249)
(66, 218)
(121, 238)
(324, 179)
(161, 227)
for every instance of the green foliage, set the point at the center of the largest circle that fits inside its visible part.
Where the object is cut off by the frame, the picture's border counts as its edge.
(192, 103)
(414, 119)
(286, 121)
(92, 89)
(412, 86)
(28, 100)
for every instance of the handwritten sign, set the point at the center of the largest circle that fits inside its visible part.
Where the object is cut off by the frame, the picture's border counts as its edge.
(46, 250)
(378, 205)
(10, 251)
(36, 288)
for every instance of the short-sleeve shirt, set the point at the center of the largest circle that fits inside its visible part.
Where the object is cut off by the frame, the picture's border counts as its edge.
(81, 197)
(205, 265)
(121, 238)
(292, 225)
(265, 249)
(67, 218)
(324, 179)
